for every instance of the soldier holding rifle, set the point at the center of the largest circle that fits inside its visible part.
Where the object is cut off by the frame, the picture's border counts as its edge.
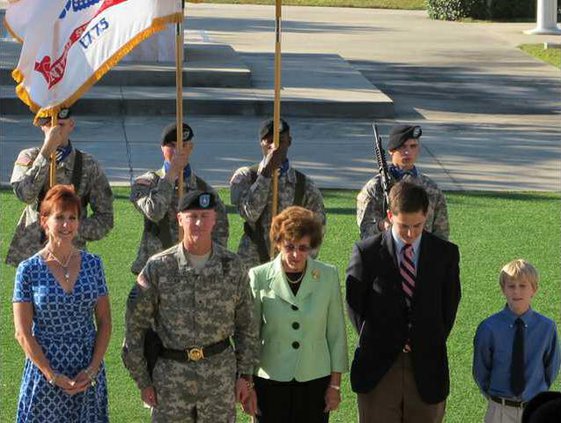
(404, 147)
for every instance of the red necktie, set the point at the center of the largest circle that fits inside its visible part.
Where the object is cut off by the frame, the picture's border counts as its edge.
(408, 273)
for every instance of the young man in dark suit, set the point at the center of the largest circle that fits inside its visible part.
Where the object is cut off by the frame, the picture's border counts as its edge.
(403, 291)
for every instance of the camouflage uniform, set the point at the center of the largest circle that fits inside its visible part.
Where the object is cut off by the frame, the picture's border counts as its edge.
(188, 308)
(254, 202)
(31, 175)
(370, 201)
(154, 196)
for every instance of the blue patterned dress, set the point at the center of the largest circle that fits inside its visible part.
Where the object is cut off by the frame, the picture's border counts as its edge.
(63, 325)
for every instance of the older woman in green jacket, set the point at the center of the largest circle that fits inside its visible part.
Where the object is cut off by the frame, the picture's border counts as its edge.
(303, 340)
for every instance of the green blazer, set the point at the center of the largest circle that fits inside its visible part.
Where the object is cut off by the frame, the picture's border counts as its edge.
(303, 337)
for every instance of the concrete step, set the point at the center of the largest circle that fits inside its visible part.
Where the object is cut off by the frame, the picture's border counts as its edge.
(221, 81)
(207, 65)
(138, 101)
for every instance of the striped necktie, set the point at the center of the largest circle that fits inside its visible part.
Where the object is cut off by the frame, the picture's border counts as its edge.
(408, 273)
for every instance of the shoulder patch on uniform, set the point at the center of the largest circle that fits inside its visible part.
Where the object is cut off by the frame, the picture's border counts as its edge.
(24, 159)
(144, 182)
(236, 178)
(142, 281)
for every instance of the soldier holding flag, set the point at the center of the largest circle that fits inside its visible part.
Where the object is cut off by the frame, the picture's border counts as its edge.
(155, 194)
(251, 193)
(59, 62)
(30, 181)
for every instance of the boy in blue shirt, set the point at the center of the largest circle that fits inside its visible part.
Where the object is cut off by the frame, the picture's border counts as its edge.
(516, 351)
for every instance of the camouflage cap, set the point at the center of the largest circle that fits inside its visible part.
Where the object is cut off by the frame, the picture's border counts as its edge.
(169, 133)
(401, 133)
(196, 200)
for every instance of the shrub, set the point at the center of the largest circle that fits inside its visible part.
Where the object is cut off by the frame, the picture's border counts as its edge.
(452, 10)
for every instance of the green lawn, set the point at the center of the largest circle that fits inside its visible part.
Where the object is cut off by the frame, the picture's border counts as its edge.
(490, 228)
(374, 4)
(551, 55)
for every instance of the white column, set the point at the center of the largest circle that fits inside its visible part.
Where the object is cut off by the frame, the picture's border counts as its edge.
(546, 20)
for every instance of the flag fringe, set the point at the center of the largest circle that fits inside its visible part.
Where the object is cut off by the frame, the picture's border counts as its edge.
(158, 24)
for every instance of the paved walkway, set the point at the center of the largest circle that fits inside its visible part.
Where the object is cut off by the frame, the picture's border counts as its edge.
(490, 113)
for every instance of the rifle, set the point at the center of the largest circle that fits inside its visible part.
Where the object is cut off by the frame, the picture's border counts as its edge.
(380, 155)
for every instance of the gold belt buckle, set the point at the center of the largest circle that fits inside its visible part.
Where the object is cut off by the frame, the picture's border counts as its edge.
(195, 354)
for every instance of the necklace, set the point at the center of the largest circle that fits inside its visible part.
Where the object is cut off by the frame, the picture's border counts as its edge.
(65, 265)
(297, 280)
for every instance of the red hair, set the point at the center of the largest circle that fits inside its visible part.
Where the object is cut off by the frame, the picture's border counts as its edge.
(60, 197)
(295, 223)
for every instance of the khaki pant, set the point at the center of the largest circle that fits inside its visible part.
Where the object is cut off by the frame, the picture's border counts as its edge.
(498, 413)
(396, 399)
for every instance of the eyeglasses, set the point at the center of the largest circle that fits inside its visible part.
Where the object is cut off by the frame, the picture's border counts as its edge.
(303, 248)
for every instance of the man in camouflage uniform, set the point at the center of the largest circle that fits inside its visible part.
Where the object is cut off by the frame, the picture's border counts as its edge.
(251, 193)
(196, 297)
(155, 195)
(403, 146)
(30, 181)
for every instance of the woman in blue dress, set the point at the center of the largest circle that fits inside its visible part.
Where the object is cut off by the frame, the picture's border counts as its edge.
(62, 321)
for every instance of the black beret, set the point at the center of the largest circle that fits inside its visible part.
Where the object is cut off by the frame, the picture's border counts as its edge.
(62, 114)
(267, 128)
(401, 133)
(169, 133)
(195, 200)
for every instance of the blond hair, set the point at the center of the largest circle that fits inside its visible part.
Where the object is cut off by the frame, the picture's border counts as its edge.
(519, 269)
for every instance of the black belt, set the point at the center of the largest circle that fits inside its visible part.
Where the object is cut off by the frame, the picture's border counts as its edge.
(510, 403)
(195, 353)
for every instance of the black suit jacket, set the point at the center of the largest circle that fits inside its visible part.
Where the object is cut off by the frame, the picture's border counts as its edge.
(377, 308)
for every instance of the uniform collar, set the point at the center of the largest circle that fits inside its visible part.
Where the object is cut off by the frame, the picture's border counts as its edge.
(285, 169)
(62, 152)
(399, 173)
(68, 161)
(186, 171)
(184, 262)
(190, 181)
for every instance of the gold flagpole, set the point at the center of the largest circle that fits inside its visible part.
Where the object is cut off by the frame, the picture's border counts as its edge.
(54, 115)
(179, 98)
(52, 166)
(276, 111)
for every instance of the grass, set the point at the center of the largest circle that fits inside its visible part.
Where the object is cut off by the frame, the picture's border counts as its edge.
(373, 4)
(490, 228)
(551, 55)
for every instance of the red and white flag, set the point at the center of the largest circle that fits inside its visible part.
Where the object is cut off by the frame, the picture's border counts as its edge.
(68, 45)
